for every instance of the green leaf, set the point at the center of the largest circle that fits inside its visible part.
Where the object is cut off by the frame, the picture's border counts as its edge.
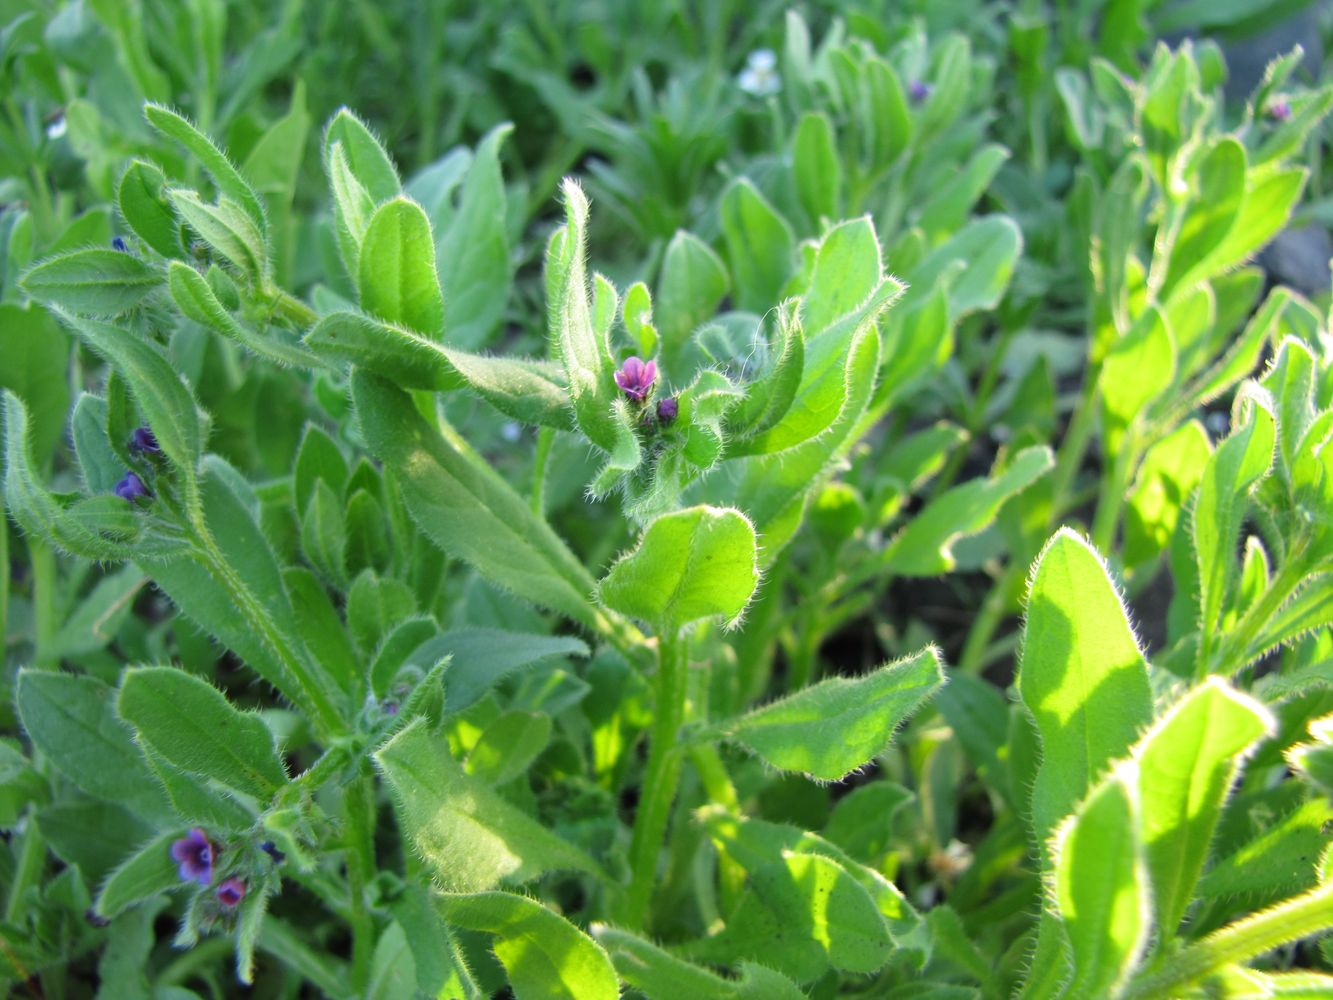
(70, 720)
(1101, 889)
(440, 968)
(530, 391)
(1282, 859)
(925, 546)
(1138, 368)
(546, 957)
(99, 616)
(227, 230)
(1213, 209)
(1167, 476)
(1269, 200)
(324, 534)
(1236, 466)
(1081, 675)
(817, 168)
(396, 273)
(94, 282)
(474, 250)
(948, 208)
(583, 349)
(829, 730)
(508, 746)
(692, 283)
(369, 163)
(319, 459)
(143, 203)
(1187, 764)
(760, 246)
(36, 353)
(195, 297)
(768, 398)
(352, 207)
(193, 726)
(157, 387)
(470, 837)
(659, 975)
(148, 872)
(978, 260)
(466, 507)
(479, 658)
(691, 564)
(230, 184)
(848, 271)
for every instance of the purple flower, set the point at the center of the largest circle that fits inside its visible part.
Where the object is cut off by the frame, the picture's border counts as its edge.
(271, 849)
(667, 410)
(231, 892)
(1279, 111)
(194, 854)
(119, 244)
(636, 378)
(131, 488)
(918, 91)
(143, 439)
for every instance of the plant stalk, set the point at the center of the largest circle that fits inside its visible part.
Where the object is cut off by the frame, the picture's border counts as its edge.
(660, 777)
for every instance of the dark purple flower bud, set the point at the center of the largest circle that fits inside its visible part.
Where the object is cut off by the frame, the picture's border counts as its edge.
(194, 854)
(94, 918)
(636, 378)
(271, 849)
(231, 892)
(131, 488)
(667, 410)
(389, 708)
(918, 91)
(119, 244)
(143, 439)
(1279, 111)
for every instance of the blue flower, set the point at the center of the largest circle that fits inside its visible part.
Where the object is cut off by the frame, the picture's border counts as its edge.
(119, 244)
(231, 892)
(131, 488)
(919, 90)
(194, 854)
(143, 439)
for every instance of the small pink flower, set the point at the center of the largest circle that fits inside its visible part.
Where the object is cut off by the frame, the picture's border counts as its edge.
(636, 378)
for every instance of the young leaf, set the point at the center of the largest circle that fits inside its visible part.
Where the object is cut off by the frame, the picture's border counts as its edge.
(692, 564)
(1238, 463)
(829, 730)
(1139, 367)
(191, 724)
(143, 203)
(480, 658)
(195, 297)
(692, 284)
(1213, 210)
(1101, 888)
(36, 353)
(1187, 763)
(94, 282)
(508, 746)
(228, 179)
(1081, 675)
(470, 837)
(760, 246)
(228, 231)
(466, 507)
(816, 167)
(366, 158)
(546, 956)
(319, 459)
(980, 257)
(396, 270)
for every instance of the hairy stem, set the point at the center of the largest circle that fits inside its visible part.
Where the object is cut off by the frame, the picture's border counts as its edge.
(660, 777)
(359, 803)
(1290, 921)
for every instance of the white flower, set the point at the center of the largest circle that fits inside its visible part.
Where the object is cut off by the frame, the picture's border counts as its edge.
(760, 76)
(57, 128)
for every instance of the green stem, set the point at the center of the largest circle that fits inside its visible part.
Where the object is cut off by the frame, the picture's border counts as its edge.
(312, 691)
(1232, 653)
(717, 783)
(27, 871)
(1262, 932)
(1115, 482)
(43, 559)
(658, 788)
(1075, 444)
(292, 309)
(359, 803)
(993, 610)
